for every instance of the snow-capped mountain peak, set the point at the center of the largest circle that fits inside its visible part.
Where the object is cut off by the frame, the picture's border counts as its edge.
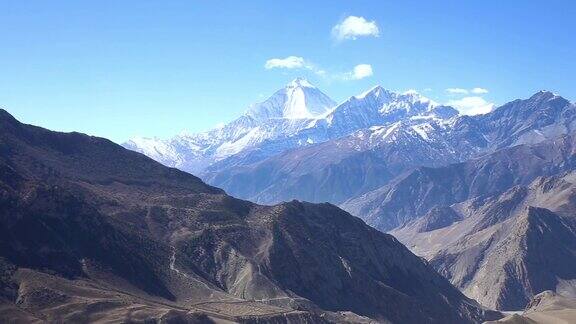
(295, 105)
(415, 96)
(299, 82)
(384, 95)
(298, 100)
(378, 103)
(375, 91)
(297, 115)
(543, 95)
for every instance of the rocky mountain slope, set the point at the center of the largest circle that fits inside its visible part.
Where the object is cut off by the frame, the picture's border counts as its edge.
(415, 193)
(92, 231)
(503, 249)
(500, 227)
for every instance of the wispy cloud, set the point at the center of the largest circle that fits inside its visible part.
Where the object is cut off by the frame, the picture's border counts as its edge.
(353, 27)
(290, 62)
(462, 91)
(471, 105)
(293, 62)
(457, 91)
(479, 91)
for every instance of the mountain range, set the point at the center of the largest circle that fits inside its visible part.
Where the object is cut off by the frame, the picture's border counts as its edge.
(499, 242)
(483, 204)
(354, 148)
(91, 231)
(486, 199)
(272, 127)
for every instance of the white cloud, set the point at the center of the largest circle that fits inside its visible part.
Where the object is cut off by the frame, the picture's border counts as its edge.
(479, 91)
(360, 71)
(293, 62)
(353, 27)
(471, 105)
(461, 91)
(457, 91)
(290, 62)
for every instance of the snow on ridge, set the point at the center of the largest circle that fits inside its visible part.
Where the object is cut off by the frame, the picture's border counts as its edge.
(376, 90)
(423, 130)
(295, 105)
(382, 132)
(296, 115)
(300, 82)
(297, 100)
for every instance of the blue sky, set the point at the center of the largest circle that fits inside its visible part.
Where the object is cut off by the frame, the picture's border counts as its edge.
(154, 68)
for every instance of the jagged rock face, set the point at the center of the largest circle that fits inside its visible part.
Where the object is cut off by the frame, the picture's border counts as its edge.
(508, 247)
(91, 229)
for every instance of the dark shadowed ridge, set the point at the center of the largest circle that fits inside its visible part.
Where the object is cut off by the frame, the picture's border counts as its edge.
(89, 158)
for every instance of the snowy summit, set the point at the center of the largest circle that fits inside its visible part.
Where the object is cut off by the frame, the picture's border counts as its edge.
(299, 99)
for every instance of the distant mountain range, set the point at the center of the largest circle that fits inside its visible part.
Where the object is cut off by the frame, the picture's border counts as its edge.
(350, 166)
(501, 228)
(339, 154)
(298, 115)
(284, 114)
(486, 199)
(90, 231)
